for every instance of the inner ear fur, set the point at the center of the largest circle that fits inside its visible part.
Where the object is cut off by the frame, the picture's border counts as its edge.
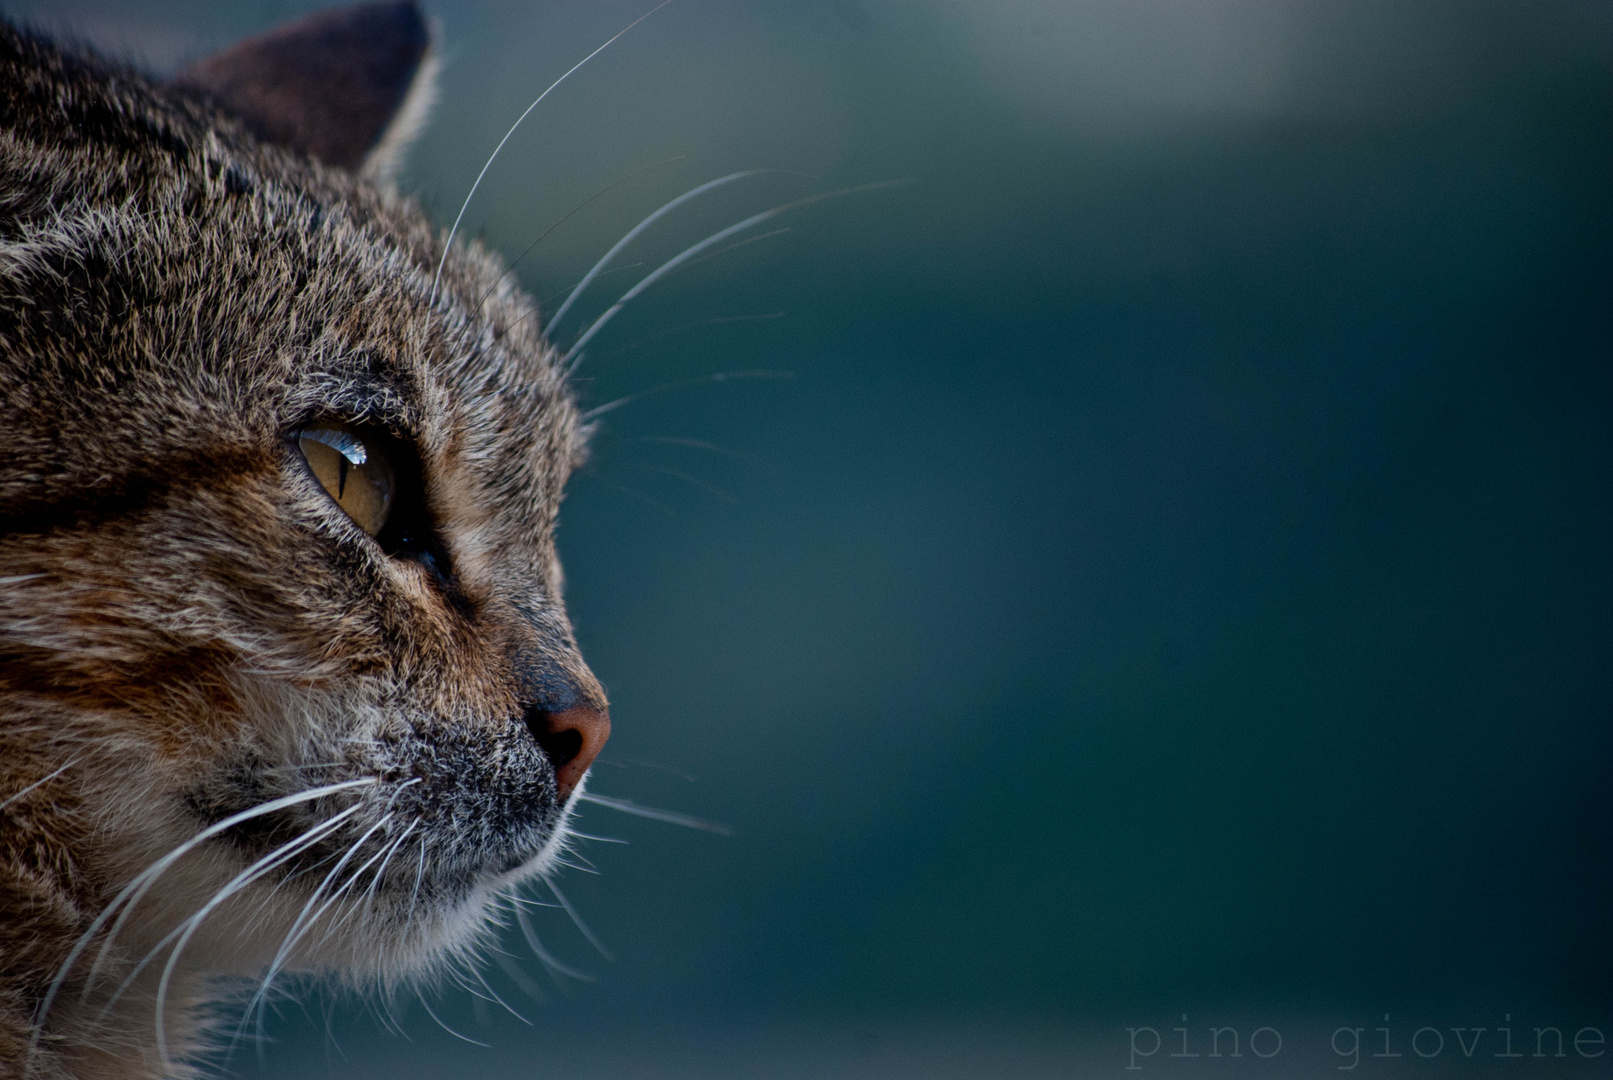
(349, 87)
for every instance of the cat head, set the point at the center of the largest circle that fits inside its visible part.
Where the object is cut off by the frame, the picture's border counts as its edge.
(282, 642)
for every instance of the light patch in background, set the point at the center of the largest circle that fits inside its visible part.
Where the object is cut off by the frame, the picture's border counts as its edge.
(1116, 58)
(1113, 63)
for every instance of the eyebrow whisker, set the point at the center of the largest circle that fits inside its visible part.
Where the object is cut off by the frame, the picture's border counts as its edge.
(696, 249)
(448, 244)
(721, 376)
(682, 327)
(633, 234)
(563, 218)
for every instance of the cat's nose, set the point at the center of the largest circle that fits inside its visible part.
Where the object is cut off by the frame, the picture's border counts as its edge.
(572, 738)
(565, 707)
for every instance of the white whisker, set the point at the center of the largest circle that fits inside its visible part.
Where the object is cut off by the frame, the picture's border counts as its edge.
(575, 851)
(634, 233)
(419, 876)
(645, 499)
(698, 444)
(715, 238)
(41, 781)
(135, 890)
(298, 926)
(448, 245)
(375, 878)
(554, 966)
(694, 481)
(383, 1015)
(736, 245)
(622, 269)
(582, 927)
(721, 376)
(513, 971)
(684, 327)
(279, 855)
(563, 218)
(147, 878)
(352, 880)
(527, 901)
(433, 1014)
(498, 1000)
(672, 818)
(240, 881)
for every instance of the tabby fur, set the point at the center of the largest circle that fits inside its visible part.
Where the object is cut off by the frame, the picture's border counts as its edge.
(191, 628)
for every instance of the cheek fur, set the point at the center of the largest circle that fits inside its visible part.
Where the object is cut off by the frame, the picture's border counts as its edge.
(229, 721)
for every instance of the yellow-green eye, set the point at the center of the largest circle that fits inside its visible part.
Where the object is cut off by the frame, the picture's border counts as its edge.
(353, 471)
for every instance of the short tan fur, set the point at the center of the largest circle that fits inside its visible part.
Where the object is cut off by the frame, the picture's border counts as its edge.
(195, 277)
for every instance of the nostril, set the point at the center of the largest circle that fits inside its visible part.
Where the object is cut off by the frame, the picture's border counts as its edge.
(571, 739)
(562, 746)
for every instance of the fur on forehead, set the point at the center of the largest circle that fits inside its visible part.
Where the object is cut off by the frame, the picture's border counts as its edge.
(318, 298)
(194, 631)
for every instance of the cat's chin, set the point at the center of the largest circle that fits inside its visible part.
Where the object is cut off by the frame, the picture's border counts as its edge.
(410, 939)
(412, 864)
(409, 930)
(420, 811)
(461, 923)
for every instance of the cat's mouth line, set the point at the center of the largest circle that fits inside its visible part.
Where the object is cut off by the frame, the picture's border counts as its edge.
(465, 831)
(391, 874)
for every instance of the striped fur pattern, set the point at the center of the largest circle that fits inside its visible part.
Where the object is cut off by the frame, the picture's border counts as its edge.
(238, 738)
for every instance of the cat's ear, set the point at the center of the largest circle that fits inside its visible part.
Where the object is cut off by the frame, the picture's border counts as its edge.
(350, 87)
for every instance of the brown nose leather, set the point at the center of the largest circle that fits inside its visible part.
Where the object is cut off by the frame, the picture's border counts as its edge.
(572, 739)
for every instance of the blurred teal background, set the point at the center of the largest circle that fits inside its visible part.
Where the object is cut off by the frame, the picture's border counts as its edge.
(1173, 578)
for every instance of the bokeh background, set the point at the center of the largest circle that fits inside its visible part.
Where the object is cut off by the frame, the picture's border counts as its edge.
(1150, 571)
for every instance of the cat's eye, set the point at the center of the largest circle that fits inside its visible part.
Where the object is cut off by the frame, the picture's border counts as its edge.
(353, 470)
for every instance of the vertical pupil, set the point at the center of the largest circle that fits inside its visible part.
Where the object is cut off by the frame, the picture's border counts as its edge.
(337, 456)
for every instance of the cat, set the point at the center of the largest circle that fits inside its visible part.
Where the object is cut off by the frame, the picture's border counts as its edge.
(286, 679)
